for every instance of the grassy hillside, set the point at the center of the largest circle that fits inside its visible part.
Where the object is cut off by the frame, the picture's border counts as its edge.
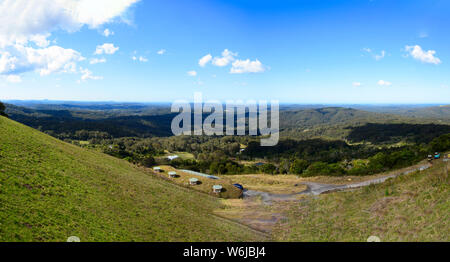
(412, 207)
(50, 190)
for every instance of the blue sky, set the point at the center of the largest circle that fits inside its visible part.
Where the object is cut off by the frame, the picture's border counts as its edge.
(292, 51)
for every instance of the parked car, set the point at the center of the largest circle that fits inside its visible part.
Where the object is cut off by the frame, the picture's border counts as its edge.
(239, 186)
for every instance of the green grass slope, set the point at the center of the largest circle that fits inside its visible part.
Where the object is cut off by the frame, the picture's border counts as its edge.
(50, 190)
(414, 207)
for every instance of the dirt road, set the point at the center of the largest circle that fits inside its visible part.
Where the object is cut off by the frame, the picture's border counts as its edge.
(320, 188)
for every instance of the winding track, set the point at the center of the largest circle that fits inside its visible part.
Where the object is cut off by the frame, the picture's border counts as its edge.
(314, 188)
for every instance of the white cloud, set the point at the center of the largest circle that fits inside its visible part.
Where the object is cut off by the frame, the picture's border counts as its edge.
(237, 66)
(107, 32)
(424, 56)
(204, 60)
(43, 60)
(140, 58)
(106, 48)
(87, 74)
(384, 83)
(22, 19)
(24, 23)
(192, 73)
(356, 84)
(97, 61)
(161, 52)
(246, 66)
(13, 78)
(375, 56)
(40, 40)
(380, 56)
(227, 57)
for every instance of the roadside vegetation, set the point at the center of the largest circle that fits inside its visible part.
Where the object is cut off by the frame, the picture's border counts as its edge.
(411, 207)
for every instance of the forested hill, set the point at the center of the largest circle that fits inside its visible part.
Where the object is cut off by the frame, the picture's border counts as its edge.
(124, 120)
(335, 122)
(440, 113)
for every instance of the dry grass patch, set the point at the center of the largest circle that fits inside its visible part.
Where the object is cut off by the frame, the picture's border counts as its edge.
(277, 184)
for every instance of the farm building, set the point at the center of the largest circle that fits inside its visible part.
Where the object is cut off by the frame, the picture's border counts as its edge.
(217, 188)
(172, 174)
(157, 169)
(193, 181)
(172, 157)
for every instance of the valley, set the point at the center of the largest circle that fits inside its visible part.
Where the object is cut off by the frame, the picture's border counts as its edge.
(103, 186)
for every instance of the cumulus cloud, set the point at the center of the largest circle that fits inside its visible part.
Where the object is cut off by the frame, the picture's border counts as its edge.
(227, 57)
(246, 66)
(87, 74)
(22, 19)
(356, 84)
(161, 52)
(384, 83)
(106, 48)
(13, 79)
(97, 61)
(238, 66)
(204, 60)
(107, 32)
(192, 73)
(26, 26)
(424, 56)
(44, 60)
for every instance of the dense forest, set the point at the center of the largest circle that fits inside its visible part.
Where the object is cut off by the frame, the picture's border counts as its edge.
(314, 141)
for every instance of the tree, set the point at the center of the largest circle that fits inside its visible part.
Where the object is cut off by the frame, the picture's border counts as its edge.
(298, 166)
(2, 110)
(148, 161)
(284, 166)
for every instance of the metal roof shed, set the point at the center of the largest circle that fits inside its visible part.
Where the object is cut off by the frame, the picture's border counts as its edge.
(193, 181)
(172, 174)
(217, 188)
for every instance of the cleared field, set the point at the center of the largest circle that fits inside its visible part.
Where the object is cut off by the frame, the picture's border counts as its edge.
(277, 184)
(182, 155)
(50, 190)
(204, 185)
